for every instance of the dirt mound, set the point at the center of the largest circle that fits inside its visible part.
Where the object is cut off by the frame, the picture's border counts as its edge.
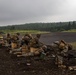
(11, 65)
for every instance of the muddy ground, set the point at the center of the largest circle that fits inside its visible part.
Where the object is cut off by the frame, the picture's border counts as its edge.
(10, 65)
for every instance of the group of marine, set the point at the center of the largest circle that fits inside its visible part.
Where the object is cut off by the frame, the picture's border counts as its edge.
(30, 45)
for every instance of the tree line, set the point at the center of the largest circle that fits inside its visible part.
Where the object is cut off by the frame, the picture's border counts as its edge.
(52, 27)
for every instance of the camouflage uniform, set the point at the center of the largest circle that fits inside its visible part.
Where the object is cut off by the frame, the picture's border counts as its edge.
(32, 46)
(1, 40)
(71, 57)
(15, 41)
(37, 47)
(8, 38)
(17, 36)
(24, 46)
(26, 39)
(35, 42)
(61, 54)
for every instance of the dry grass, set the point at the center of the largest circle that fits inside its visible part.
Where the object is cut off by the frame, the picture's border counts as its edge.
(74, 45)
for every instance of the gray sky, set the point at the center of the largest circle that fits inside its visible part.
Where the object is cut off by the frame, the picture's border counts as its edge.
(28, 11)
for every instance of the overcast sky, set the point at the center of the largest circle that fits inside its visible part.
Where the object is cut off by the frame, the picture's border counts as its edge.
(28, 11)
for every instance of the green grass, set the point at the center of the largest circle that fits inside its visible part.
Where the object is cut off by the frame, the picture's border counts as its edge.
(72, 30)
(24, 31)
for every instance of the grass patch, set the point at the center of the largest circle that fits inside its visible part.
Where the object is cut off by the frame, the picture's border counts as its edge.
(72, 30)
(74, 45)
(24, 31)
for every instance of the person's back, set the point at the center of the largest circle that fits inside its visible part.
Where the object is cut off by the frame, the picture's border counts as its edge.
(35, 41)
(8, 38)
(26, 39)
